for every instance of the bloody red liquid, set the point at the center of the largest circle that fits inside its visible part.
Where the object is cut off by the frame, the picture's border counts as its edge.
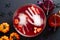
(29, 30)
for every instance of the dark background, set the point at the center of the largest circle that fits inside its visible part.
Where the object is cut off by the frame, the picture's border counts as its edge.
(7, 9)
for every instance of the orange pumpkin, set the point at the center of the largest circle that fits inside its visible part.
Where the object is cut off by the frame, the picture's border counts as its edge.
(4, 27)
(0, 38)
(14, 36)
(4, 38)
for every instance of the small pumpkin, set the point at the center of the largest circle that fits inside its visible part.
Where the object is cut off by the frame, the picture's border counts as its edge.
(4, 38)
(14, 36)
(4, 27)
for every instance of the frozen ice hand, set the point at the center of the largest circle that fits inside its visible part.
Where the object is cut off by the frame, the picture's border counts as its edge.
(35, 17)
(23, 21)
(22, 18)
(37, 20)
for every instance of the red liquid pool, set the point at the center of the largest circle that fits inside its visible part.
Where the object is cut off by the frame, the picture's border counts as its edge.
(29, 20)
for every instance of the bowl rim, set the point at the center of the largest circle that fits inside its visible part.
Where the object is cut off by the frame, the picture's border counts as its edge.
(44, 21)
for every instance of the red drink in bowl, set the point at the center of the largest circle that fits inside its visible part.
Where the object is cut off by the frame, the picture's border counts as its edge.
(29, 20)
